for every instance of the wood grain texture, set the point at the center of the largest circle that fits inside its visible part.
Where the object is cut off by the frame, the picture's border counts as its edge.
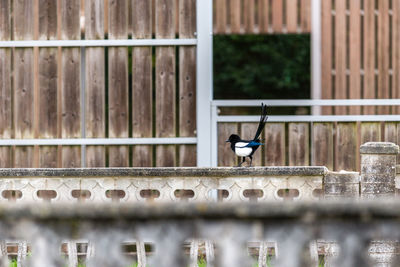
(383, 54)
(370, 132)
(277, 16)
(305, 21)
(48, 83)
(396, 53)
(275, 147)
(326, 50)
(235, 20)
(299, 149)
(5, 84)
(291, 16)
(369, 53)
(220, 16)
(322, 144)
(48, 104)
(187, 82)
(248, 131)
(118, 95)
(249, 16)
(23, 82)
(95, 82)
(263, 16)
(226, 157)
(340, 54)
(70, 83)
(142, 96)
(165, 83)
(355, 55)
(390, 129)
(346, 149)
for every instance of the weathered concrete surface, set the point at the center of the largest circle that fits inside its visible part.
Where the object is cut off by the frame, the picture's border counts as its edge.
(378, 170)
(341, 185)
(379, 148)
(166, 172)
(302, 211)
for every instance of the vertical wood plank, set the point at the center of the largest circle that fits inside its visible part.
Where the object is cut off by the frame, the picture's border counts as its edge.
(48, 79)
(5, 84)
(165, 82)
(118, 95)
(187, 82)
(390, 132)
(235, 16)
(305, 6)
(226, 157)
(142, 97)
(249, 16)
(346, 149)
(247, 133)
(340, 54)
(383, 54)
(396, 53)
(299, 150)
(275, 153)
(322, 146)
(263, 16)
(220, 16)
(355, 55)
(326, 51)
(370, 132)
(291, 16)
(277, 15)
(369, 53)
(70, 83)
(23, 82)
(95, 82)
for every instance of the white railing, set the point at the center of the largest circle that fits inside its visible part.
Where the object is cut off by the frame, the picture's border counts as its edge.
(216, 118)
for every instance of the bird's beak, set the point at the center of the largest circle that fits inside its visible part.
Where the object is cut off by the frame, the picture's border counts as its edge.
(227, 141)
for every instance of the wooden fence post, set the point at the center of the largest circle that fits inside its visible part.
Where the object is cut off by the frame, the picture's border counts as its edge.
(378, 169)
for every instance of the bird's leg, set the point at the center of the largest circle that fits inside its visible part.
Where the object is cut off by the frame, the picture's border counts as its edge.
(251, 160)
(240, 164)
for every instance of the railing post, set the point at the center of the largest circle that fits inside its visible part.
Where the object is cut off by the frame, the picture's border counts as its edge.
(378, 169)
(204, 82)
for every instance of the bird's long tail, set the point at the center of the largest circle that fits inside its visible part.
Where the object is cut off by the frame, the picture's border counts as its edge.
(263, 120)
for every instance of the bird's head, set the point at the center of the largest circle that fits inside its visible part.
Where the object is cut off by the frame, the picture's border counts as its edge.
(233, 138)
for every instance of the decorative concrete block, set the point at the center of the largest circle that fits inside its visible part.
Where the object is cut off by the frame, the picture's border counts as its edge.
(342, 185)
(378, 169)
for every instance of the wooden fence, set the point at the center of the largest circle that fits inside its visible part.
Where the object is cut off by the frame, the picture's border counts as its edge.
(331, 144)
(361, 53)
(262, 16)
(97, 92)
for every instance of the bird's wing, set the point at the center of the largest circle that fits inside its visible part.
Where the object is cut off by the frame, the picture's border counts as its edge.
(263, 120)
(247, 144)
(242, 144)
(254, 143)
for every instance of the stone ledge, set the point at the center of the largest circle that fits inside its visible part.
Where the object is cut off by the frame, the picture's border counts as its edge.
(166, 172)
(367, 210)
(379, 148)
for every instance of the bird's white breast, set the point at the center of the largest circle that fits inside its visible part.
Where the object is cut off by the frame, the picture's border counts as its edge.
(241, 150)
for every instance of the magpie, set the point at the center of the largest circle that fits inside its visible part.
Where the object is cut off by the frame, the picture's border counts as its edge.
(246, 148)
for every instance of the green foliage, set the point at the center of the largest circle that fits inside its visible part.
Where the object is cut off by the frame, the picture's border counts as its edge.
(13, 263)
(261, 66)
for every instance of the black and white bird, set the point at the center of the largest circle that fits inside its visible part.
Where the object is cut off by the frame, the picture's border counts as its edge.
(246, 148)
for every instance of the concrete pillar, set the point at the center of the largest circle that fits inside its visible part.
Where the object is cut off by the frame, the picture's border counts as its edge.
(338, 185)
(378, 169)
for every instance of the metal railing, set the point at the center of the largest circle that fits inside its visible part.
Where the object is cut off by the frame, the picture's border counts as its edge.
(216, 118)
